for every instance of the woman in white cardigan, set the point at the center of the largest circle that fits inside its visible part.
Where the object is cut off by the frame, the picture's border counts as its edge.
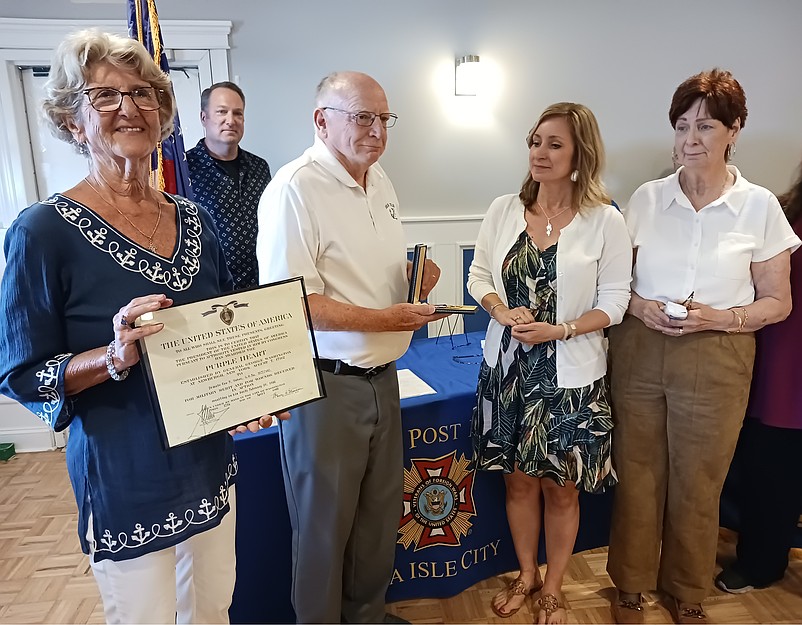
(552, 266)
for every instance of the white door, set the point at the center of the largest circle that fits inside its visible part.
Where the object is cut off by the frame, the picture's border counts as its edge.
(187, 88)
(57, 165)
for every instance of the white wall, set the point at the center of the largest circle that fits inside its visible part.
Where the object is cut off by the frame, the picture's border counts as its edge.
(449, 157)
(623, 58)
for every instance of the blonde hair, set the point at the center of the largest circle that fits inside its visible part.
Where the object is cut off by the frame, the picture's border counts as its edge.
(70, 70)
(588, 190)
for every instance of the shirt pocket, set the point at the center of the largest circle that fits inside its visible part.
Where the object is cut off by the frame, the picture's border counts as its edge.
(734, 255)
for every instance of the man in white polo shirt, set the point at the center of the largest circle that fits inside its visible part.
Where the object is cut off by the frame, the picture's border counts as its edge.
(331, 216)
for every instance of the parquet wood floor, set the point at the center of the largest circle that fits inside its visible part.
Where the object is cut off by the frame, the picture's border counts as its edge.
(44, 578)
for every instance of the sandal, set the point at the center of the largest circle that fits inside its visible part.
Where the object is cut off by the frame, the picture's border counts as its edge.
(685, 612)
(515, 587)
(549, 604)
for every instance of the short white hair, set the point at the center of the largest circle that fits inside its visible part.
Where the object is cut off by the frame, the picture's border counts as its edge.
(69, 74)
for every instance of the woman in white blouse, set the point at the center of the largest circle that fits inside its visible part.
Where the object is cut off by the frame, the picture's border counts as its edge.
(712, 255)
(552, 267)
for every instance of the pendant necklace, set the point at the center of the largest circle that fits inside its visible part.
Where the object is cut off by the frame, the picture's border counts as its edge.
(151, 246)
(548, 219)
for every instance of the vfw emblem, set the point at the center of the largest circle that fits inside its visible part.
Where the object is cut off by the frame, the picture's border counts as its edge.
(438, 502)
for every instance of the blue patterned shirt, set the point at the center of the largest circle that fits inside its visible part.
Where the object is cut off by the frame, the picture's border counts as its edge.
(232, 204)
(69, 271)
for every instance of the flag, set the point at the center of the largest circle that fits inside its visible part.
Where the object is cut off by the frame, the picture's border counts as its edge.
(169, 161)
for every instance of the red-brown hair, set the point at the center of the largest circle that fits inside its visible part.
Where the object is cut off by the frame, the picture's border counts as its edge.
(725, 99)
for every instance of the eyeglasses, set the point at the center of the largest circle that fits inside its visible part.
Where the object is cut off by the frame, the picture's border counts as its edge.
(366, 118)
(108, 100)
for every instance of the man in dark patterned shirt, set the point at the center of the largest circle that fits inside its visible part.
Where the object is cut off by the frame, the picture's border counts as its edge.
(228, 181)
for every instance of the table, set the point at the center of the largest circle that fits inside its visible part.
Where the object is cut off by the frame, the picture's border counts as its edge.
(264, 556)
(453, 530)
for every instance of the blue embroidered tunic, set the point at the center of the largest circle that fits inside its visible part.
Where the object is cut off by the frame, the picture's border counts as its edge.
(68, 272)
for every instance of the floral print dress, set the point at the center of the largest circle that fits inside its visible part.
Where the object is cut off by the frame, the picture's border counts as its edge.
(522, 418)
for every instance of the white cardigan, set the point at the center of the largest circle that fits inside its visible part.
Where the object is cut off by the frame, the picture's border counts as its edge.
(594, 269)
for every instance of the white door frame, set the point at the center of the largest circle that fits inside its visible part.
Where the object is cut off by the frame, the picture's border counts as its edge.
(32, 42)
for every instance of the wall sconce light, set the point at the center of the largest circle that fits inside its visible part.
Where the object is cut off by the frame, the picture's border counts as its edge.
(466, 75)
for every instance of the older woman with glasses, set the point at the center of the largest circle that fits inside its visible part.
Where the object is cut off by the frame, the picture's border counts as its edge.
(83, 266)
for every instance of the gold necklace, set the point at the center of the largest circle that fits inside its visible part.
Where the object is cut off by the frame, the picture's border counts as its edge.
(151, 245)
(548, 219)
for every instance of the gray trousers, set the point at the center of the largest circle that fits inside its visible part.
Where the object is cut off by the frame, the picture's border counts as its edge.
(343, 473)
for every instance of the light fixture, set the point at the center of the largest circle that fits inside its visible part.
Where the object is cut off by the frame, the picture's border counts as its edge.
(466, 75)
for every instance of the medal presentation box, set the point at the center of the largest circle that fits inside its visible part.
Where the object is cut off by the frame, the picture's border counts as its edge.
(416, 282)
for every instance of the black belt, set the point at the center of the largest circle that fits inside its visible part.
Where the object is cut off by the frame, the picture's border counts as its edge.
(338, 367)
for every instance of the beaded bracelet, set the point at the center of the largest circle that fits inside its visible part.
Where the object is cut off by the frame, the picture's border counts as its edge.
(117, 377)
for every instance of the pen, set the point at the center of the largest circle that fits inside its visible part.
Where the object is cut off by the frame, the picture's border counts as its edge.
(689, 300)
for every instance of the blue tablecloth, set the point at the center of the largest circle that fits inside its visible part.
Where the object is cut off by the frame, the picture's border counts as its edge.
(453, 530)
(264, 556)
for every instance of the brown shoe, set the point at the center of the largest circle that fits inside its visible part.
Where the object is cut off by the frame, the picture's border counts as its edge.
(548, 604)
(515, 587)
(684, 612)
(628, 612)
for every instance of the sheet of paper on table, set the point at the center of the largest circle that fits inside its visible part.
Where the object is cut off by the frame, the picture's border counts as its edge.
(411, 385)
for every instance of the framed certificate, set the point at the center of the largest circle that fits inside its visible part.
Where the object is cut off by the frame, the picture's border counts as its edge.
(227, 360)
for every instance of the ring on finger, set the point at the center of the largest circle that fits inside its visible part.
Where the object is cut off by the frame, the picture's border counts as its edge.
(123, 321)
(681, 330)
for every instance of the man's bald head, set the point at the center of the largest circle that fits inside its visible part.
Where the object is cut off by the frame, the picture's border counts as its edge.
(339, 86)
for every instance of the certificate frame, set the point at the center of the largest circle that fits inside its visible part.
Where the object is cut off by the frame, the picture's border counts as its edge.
(224, 361)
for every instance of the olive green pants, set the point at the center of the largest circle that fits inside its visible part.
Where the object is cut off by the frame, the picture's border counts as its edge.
(678, 404)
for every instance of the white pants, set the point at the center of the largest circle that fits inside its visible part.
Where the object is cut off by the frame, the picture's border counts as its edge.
(191, 582)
